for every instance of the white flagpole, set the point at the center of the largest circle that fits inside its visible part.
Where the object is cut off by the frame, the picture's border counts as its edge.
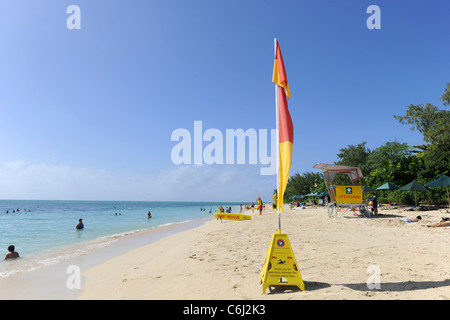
(277, 139)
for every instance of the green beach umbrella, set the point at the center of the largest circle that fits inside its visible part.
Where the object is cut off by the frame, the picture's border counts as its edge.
(443, 181)
(413, 186)
(388, 186)
(312, 194)
(323, 194)
(367, 189)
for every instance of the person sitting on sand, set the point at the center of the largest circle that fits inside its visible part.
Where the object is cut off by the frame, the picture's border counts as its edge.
(437, 225)
(416, 219)
(80, 225)
(12, 254)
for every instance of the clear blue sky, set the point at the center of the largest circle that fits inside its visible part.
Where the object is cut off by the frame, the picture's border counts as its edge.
(88, 114)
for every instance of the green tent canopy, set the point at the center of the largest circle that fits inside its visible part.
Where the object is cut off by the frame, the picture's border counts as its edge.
(367, 189)
(414, 186)
(323, 194)
(312, 194)
(443, 181)
(388, 186)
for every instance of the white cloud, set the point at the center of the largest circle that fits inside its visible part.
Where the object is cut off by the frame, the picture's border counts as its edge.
(20, 180)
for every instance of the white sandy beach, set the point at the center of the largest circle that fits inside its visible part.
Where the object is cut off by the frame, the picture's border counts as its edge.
(223, 261)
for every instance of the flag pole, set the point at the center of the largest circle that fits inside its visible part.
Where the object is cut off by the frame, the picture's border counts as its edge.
(277, 142)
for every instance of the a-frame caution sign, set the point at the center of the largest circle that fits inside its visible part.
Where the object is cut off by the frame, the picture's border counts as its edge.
(280, 264)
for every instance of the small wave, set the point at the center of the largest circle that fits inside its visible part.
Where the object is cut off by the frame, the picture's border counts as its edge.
(59, 254)
(173, 223)
(27, 264)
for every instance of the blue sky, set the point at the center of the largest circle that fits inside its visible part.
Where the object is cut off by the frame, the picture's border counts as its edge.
(89, 113)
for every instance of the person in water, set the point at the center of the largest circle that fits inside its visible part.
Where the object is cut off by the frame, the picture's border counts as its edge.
(12, 254)
(80, 225)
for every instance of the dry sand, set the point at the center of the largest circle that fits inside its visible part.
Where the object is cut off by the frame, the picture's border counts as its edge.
(223, 260)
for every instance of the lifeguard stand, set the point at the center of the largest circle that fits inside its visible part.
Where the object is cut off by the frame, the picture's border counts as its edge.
(346, 195)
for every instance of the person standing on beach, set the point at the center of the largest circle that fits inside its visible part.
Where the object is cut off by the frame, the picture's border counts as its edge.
(12, 254)
(375, 205)
(259, 205)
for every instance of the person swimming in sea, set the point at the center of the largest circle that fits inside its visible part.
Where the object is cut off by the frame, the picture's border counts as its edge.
(12, 254)
(80, 225)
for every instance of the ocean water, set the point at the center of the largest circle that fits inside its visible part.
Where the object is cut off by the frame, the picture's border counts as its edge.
(44, 233)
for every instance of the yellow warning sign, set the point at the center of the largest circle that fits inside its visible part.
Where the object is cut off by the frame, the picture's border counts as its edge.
(280, 264)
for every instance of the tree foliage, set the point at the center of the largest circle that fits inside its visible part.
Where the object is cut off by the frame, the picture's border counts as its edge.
(397, 162)
(300, 184)
(355, 156)
(434, 124)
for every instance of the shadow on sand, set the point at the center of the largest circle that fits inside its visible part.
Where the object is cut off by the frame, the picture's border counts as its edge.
(384, 286)
(309, 286)
(400, 286)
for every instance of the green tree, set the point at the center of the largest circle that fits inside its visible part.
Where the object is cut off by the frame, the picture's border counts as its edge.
(390, 153)
(446, 96)
(304, 183)
(403, 170)
(434, 124)
(355, 156)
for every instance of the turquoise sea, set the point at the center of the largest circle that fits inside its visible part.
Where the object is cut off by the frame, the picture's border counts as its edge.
(44, 233)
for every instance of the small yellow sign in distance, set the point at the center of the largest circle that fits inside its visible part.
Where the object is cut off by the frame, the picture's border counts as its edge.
(232, 216)
(280, 263)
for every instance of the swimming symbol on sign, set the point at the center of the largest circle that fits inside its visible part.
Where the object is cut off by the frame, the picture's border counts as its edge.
(281, 261)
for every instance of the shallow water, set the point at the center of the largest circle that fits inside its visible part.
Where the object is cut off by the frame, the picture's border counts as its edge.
(43, 232)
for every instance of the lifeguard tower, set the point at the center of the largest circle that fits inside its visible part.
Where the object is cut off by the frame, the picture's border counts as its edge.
(347, 196)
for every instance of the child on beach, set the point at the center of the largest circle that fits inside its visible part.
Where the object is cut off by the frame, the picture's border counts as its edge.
(416, 219)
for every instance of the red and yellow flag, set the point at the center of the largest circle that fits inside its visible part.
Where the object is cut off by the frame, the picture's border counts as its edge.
(285, 126)
(279, 72)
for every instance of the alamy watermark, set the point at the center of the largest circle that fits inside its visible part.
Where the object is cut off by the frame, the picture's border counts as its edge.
(374, 21)
(374, 280)
(73, 22)
(210, 147)
(73, 281)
